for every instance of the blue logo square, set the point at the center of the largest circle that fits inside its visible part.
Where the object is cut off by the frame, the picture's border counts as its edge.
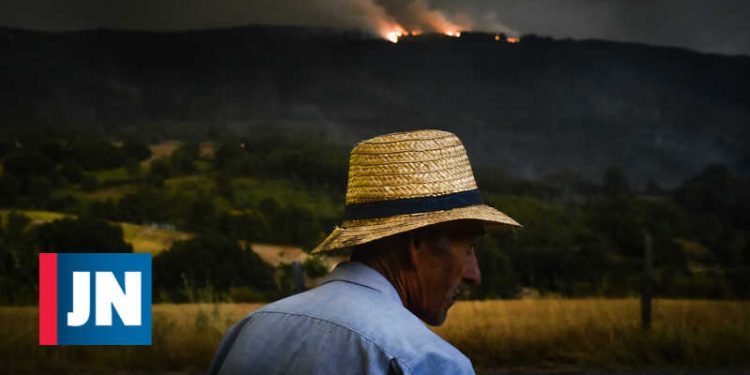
(116, 308)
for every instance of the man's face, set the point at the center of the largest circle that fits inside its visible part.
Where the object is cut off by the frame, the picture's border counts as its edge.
(446, 262)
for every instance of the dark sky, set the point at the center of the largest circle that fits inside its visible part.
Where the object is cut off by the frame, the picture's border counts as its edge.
(721, 26)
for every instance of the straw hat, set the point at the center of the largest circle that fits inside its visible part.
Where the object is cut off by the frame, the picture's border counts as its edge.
(403, 181)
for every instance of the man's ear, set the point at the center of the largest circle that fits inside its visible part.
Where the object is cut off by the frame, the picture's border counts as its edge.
(414, 250)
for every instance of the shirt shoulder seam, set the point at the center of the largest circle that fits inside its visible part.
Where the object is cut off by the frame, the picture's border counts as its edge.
(380, 347)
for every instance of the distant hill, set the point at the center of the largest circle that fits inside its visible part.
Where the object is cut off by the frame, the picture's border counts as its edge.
(531, 108)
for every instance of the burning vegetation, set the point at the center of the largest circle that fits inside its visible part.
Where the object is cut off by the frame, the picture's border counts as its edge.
(395, 36)
(398, 19)
(507, 39)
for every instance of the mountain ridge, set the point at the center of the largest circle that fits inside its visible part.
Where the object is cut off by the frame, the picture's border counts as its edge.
(529, 108)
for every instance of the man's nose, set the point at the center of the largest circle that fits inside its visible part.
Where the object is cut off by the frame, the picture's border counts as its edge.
(472, 274)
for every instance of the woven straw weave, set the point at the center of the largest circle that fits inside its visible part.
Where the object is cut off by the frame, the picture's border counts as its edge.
(422, 163)
(408, 165)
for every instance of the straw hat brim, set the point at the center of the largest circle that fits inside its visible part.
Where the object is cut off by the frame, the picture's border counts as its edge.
(357, 232)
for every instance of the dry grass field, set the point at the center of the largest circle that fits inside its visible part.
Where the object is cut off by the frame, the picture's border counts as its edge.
(144, 238)
(36, 217)
(161, 150)
(600, 333)
(151, 239)
(545, 334)
(167, 148)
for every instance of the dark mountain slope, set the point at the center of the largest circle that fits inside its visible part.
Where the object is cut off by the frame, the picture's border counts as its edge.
(530, 108)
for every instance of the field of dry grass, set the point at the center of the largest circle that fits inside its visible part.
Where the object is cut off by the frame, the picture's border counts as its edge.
(167, 148)
(496, 335)
(151, 239)
(36, 217)
(600, 333)
(161, 150)
(144, 238)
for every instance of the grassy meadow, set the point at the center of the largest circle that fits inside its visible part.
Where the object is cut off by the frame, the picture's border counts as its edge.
(144, 238)
(187, 200)
(540, 334)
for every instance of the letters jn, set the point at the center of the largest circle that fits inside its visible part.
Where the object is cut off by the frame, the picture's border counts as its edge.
(108, 295)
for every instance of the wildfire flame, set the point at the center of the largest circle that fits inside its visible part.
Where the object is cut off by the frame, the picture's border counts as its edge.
(393, 36)
(392, 31)
(393, 20)
(393, 26)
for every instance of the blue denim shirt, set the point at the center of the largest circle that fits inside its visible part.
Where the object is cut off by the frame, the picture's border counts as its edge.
(354, 323)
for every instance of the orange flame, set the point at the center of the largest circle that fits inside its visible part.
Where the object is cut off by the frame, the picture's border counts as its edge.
(512, 39)
(423, 19)
(393, 36)
(392, 31)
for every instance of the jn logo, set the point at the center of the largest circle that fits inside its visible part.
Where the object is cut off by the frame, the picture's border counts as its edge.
(94, 299)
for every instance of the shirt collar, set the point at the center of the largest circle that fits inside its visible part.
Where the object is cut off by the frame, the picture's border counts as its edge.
(361, 274)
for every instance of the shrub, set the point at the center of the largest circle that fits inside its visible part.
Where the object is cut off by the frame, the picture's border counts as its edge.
(82, 235)
(209, 260)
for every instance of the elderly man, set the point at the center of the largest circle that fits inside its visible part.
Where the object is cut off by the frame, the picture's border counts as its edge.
(413, 212)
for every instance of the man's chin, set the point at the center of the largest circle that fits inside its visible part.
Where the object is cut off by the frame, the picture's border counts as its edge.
(436, 319)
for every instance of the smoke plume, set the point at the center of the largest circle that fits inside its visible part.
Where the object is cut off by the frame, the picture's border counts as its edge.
(386, 18)
(417, 15)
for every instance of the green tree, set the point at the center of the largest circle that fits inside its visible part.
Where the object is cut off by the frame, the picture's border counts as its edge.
(249, 226)
(182, 161)
(39, 190)
(97, 154)
(19, 267)
(27, 165)
(314, 266)
(133, 167)
(201, 215)
(146, 204)
(158, 171)
(81, 235)
(72, 171)
(89, 182)
(133, 149)
(615, 182)
(711, 191)
(10, 189)
(210, 260)
(653, 188)
(498, 278)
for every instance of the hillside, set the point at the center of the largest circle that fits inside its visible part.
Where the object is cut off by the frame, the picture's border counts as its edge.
(532, 108)
(200, 201)
(144, 238)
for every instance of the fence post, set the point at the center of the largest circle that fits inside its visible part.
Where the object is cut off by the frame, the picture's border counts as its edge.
(647, 285)
(298, 277)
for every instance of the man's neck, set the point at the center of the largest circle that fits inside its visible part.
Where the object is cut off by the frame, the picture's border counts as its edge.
(400, 277)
